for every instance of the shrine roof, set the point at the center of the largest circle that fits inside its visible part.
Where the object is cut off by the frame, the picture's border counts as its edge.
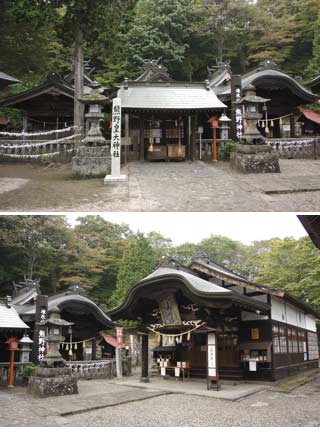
(75, 303)
(205, 266)
(8, 79)
(9, 317)
(168, 96)
(198, 283)
(270, 77)
(200, 289)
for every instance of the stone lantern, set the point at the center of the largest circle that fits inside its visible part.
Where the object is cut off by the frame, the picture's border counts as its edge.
(252, 155)
(25, 349)
(93, 156)
(54, 325)
(224, 128)
(52, 377)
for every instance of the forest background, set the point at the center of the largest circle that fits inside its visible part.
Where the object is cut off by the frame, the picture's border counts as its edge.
(37, 36)
(106, 258)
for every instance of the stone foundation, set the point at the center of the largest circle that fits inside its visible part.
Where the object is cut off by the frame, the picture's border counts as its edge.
(256, 159)
(92, 161)
(49, 382)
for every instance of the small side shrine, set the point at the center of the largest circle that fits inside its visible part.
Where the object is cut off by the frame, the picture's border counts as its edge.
(81, 340)
(286, 95)
(211, 323)
(162, 115)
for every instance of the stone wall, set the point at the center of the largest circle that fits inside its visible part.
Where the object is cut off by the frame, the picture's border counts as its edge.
(295, 148)
(97, 369)
(19, 368)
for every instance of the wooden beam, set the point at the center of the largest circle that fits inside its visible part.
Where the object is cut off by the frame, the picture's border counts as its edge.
(144, 358)
(141, 139)
(254, 294)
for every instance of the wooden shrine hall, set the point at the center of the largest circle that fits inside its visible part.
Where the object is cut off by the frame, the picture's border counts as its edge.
(162, 115)
(286, 95)
(212, 323)
(87, 317)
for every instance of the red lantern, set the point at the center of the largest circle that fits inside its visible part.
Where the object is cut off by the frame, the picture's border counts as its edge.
(13, 343)
(214, 123)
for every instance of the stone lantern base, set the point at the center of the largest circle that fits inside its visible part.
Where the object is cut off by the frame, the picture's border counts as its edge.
(258, 159)
(48, 382)
(92, 161)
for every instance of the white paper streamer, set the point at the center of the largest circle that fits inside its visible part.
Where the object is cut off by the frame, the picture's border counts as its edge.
(37, 156)
(29, 134)
(39, 144)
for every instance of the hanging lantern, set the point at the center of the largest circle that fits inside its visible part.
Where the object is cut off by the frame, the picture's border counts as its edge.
(188, 336)
(263, 124)
(272, 124)
(75, 346)
(280, 121)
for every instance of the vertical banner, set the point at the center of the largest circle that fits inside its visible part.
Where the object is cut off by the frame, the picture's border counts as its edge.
(115, 148)
(236, 108)
(119, 336)
(131, 344)
(212, 363)
(39, 342)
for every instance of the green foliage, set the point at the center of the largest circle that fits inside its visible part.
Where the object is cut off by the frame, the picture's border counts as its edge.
(225, 152)
(139, 259)
(38, 36)
(160, 29)
(107, 259)
(14, 116)
(29, 370)
(314, 65)
(292, 265)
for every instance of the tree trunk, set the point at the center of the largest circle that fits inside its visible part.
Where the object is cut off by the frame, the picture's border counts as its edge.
(78, 84)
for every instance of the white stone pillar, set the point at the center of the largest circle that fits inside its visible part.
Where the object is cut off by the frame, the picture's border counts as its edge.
(115, 147)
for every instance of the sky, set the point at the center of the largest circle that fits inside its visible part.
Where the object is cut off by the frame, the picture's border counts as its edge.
(194, 227)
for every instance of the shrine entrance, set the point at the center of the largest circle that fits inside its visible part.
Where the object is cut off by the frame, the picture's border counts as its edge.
(166, 138)
(228, 347)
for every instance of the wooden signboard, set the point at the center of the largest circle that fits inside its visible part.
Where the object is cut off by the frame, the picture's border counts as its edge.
(39, 342)
(255, 334)
(169, 310)
(212, 362)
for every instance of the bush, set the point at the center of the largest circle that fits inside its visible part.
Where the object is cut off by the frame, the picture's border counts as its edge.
(28, 371)
(226, 149)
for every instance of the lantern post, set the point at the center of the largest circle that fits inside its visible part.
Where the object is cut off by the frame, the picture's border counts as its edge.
(13, 343)
(214, 123)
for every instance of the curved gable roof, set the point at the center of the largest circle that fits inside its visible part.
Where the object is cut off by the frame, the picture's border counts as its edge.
(271, 76)
(195, 285)
(65, 301)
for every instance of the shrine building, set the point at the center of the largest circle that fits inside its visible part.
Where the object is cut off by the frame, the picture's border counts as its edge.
(212, 323)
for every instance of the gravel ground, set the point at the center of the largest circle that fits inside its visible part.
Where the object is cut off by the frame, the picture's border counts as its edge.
(268, 408)
(162, 186)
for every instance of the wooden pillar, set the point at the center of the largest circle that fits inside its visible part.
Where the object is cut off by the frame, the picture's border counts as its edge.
(78, 83)
(141, 139)
(126, 134)
(193, 139)
(292, 126)
(94, 349)
(25, 124)
(144, 358)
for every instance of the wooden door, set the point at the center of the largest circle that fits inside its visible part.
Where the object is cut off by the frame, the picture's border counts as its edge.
(228, 348)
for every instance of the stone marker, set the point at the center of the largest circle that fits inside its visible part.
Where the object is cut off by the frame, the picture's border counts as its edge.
(115, 176)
